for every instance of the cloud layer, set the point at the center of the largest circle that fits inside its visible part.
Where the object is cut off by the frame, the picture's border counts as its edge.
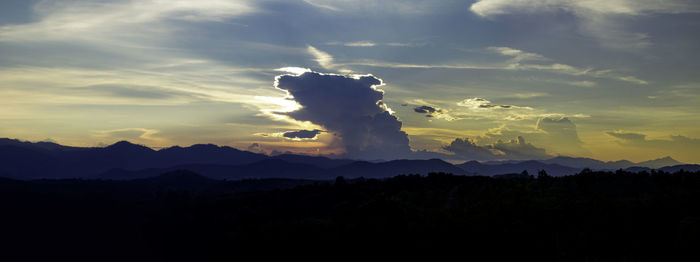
(603, 19)
(515, 149)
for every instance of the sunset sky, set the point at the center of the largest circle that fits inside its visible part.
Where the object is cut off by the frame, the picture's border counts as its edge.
(485, 80)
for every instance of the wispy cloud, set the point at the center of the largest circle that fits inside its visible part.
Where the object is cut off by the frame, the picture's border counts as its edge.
(115, 21)
(519, 60)
(386, 6)
(134, 134)
(373, 44)
(325, 60)
(603, 19)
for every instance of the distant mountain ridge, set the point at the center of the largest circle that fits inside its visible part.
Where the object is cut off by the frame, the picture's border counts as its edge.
(124, 160)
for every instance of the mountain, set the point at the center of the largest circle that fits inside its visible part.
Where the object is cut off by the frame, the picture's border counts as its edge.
(582, 162)
(659, 163)
(395, 167)
(269, 168)
(124, 160)
(26, 160)
(319, 161)
(532, 167)
(278, 168)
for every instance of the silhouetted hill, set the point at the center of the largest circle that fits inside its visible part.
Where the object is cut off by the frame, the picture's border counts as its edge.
(668, 169)
(25, 160)
(269, 168)
(659, 163)
(318, 161)
(396, 167)
(278, 168)
(582, 162)
(125, 160)
(532, 167)
(206, 154)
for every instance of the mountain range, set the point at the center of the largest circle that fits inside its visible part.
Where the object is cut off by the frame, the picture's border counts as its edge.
(125, 161)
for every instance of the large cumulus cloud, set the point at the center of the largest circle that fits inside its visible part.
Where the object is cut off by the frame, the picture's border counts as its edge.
(351, 108)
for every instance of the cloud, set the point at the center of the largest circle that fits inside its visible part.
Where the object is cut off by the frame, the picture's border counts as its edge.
(515, 149)
(302, 134)
(560, 129)
(519, 56)
(256, 148)
(373, 44)
(603, 19)
(679, 146)
(351, 108)
(609, 7)
(372, 6)
(628, 136)
(592, 84)
(360, 44)
(519, 61)
(426, 109)
(528, 95)
(139, 135)
(558, 134)
(325, 60)
(480, 103)
(519, 149)
(116, 20)
(467, 149)
(431, 110)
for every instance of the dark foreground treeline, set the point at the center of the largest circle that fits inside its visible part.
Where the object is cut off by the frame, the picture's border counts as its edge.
(592, 216)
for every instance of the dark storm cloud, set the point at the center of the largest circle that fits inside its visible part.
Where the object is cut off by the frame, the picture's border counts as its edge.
(429, 111)
(351, 108)
(303, 134)
(426, 110)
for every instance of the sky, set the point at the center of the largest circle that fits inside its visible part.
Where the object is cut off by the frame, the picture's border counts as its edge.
(458, 80)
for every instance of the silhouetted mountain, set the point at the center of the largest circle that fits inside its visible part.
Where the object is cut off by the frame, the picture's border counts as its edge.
(318, 161)
(582, 162)
(277, 168)
(676, 168)
(26, 160)
(532, 167)
(206, 154)
(37, 145)
(396, 167)
(269, 168)
(659, 163)
(125, 160)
